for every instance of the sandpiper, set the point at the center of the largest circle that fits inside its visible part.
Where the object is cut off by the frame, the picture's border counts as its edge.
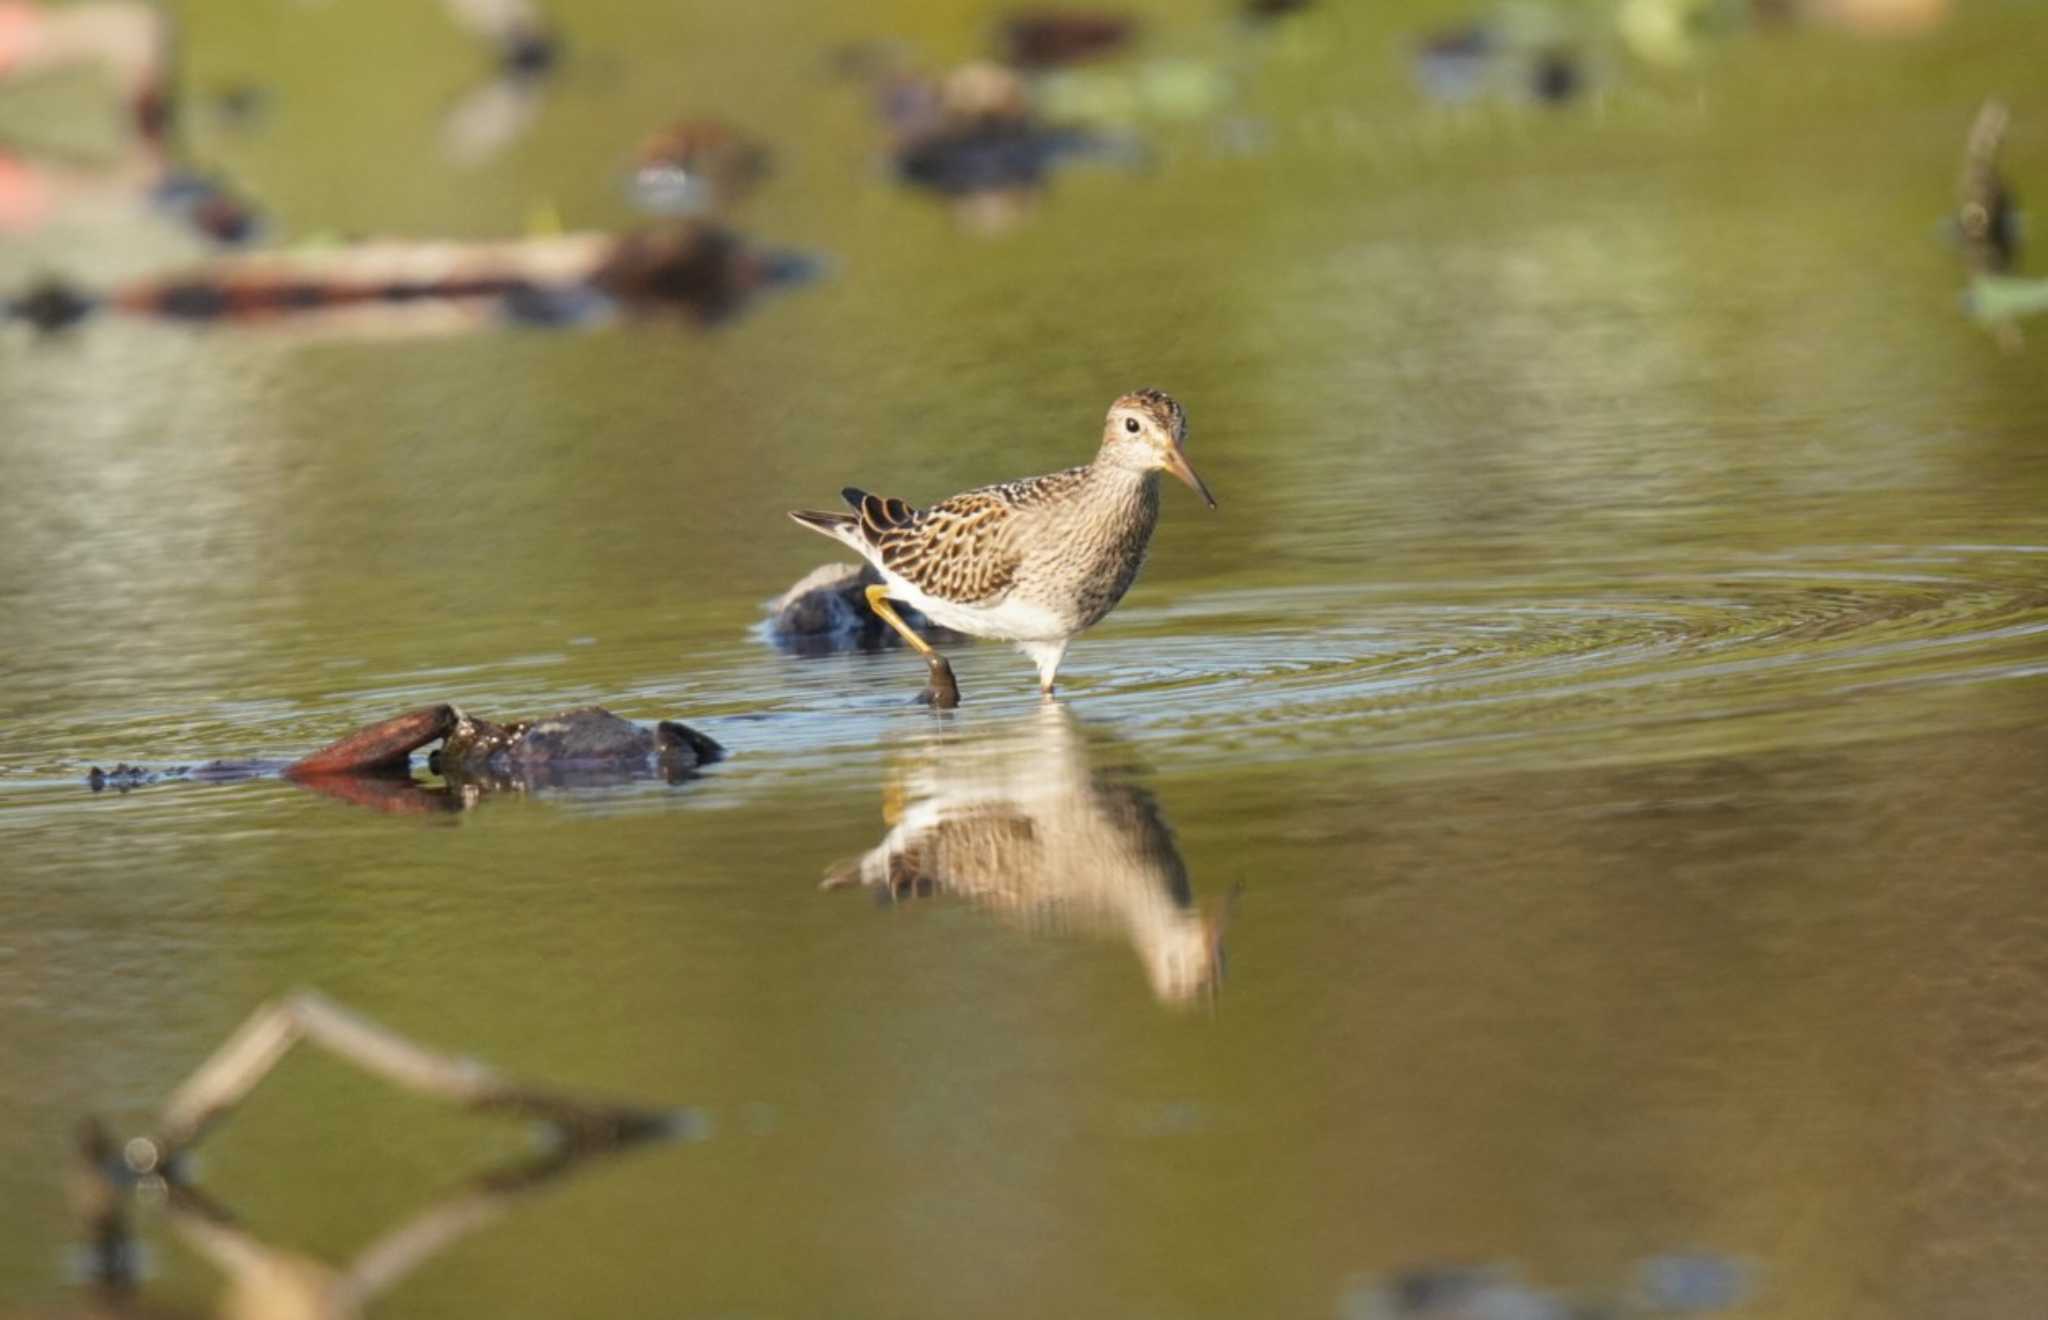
(1035, 562)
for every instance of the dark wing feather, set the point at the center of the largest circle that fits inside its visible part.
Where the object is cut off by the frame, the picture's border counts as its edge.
(959, 549)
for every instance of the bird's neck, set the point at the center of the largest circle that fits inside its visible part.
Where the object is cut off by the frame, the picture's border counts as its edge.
(1114, 480)
(1123, 502)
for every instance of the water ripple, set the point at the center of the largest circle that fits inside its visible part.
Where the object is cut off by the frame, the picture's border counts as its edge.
(1630, 660)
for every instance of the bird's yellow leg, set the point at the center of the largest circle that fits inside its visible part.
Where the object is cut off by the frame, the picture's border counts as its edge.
(943, 691)
(878, 601)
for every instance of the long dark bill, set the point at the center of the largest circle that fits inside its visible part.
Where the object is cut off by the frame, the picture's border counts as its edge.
(1177, 463)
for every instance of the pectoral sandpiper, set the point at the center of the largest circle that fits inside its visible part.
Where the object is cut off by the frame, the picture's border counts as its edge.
(1035, 562)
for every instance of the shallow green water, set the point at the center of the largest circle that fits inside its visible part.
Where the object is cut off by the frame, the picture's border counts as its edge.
(1607, 717)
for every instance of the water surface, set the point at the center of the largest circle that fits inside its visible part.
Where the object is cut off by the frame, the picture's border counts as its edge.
(1605, 721)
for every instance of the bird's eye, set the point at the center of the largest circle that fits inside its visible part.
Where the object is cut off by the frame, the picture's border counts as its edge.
(1131, 425)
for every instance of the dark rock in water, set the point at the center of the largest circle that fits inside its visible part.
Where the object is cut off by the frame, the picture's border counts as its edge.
(1555, 77)
(991, 156)
(530, 53)
(827, 611)
(572, 746)
(1045, 39)
(53, 305)
(673, 740)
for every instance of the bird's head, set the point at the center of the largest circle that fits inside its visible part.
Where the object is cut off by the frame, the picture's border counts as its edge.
(1148, 432)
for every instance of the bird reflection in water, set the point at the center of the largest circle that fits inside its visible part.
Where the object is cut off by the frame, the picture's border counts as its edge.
(1019, 821)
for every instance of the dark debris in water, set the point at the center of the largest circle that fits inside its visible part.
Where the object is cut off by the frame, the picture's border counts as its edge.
(826, 612)
(588, 747)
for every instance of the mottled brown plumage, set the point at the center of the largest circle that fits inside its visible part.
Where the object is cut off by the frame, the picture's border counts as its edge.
(1035, 561)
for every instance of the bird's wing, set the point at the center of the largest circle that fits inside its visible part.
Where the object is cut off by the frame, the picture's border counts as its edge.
(963, 549)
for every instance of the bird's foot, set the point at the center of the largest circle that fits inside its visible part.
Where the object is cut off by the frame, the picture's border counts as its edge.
(941, 693)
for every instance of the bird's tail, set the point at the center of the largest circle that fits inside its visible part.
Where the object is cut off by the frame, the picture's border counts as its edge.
(838, 526)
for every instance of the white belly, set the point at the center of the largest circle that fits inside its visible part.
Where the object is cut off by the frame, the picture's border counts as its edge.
(1011, 621)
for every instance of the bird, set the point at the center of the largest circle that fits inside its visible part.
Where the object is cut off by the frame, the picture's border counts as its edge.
(1037, 561)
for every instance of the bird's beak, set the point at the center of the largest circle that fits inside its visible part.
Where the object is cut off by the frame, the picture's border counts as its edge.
(1177, 464)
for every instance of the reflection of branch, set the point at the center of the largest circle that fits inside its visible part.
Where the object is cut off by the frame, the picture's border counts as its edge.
(271, 1280)
(248, 1056)
(274, 1275)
